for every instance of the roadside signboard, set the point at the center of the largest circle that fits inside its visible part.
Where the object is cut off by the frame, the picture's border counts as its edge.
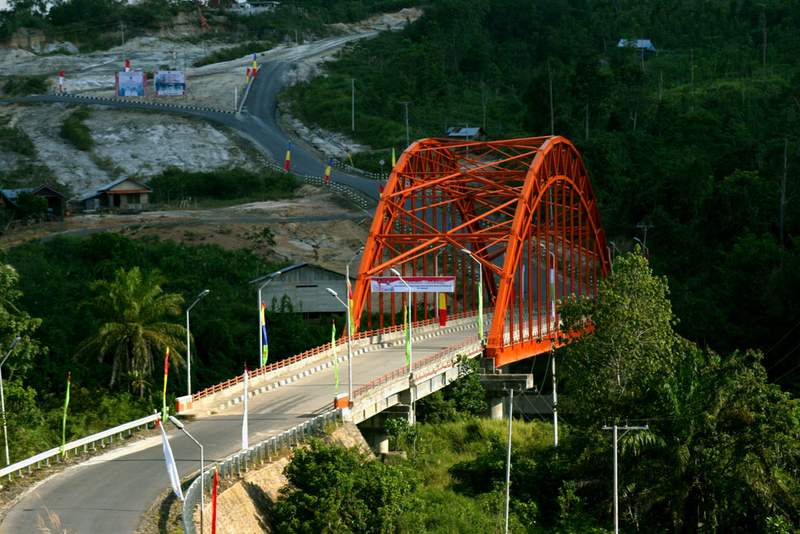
(130, 83)
(169, 82)
(418, 284)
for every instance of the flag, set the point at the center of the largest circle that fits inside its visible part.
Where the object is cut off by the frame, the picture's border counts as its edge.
(328, 171)
(350, 308)
(264, 343)
(380, 190)
(407, 321)
(480, 310)
(335, 359)
(247, 77)
(127, 65)
(394, 160)
(214, 502)
(349, 156)
(442, 309)
(64, 424)
(244, 419)
(164, 396)
(254, 63)
(288, 156)
(553, 290)
(255, 72)
(172, 469)
(60, 80)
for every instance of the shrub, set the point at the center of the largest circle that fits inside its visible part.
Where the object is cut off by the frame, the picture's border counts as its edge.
(76, 132)
(25, 85)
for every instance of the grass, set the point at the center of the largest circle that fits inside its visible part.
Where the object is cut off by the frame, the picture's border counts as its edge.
(25, 85)
(76, 132)
(14, 139)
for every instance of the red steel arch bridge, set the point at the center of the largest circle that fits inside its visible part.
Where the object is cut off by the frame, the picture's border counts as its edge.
(523, 208)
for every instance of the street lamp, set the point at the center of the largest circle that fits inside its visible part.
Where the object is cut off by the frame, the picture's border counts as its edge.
(480, 291)
(2, 397)
(410, 356)
(553, 356)
(349, 348)
(270, 278)
(645, 253)
(202, 468)
(188, 343)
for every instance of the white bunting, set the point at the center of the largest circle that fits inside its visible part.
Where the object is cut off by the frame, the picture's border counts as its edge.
(172, 469)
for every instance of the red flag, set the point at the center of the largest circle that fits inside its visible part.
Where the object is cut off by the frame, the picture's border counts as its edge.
(288, 156)
(127, 65)
(61, 73)
(255, 72)
(380, 190)
(214, 503)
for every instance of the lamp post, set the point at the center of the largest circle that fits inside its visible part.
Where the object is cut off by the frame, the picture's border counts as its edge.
(553, 356)
(480, 291)
(258, 306)
(410, 356)
(188, 343)
(645, 252)
(335, 295)
(202, 468)
(616, 437)
(3, 399)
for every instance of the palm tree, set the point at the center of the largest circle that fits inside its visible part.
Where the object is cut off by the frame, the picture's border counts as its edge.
(132, 309)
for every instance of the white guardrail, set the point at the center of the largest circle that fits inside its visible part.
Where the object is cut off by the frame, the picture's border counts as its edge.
(235, 464)
(90, 442)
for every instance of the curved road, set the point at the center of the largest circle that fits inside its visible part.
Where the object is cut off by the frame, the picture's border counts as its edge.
(111, 495)
(258, 117)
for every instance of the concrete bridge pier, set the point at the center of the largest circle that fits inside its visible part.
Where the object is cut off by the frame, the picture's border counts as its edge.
(372, 428)
(497, 385)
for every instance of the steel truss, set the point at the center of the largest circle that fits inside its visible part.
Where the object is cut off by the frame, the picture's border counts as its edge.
(526, 211)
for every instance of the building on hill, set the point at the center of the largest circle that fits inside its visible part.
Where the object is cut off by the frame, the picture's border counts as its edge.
(55, 199)
(643, 45)
(468, 134)
(306, 286)
(124, 194)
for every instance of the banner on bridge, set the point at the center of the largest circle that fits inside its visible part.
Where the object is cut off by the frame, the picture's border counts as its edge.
(131, 83)
(418, 284)
(169, 82)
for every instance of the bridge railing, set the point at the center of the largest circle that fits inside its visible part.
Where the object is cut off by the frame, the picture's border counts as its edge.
(90, 442)
(341, 342)
(235, 464)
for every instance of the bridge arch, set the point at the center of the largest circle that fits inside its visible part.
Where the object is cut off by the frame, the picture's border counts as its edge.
(525, 210)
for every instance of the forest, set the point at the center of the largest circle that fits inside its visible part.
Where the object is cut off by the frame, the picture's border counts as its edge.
(693, 148)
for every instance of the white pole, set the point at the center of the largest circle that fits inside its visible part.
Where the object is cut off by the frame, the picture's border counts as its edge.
(616, 486)
(349, 331)
(188, 341)
(353, 103)
(235, 97)
(508, 454)
(5, 431)
(555, 400)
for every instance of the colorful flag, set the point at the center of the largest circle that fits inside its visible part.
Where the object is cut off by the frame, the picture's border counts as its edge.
(335, 359)
(254, 64)
(60, 80)
(442, 309)
(127, 65)
(264, 342)
(64, 424)
(247, 76)
(394, 160)
(244, 420)
(328, 171)
(349, 156)
(164, 396)
(480, 310)
(380, 190)
(407, 325)
(553, 289)
(214, 502)
(350, 308)
(255, 72)
(288, 156)
(172, 469)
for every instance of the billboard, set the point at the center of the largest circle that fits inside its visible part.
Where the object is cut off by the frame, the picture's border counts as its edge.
(169, 82)
(418, 284)
(130, 83)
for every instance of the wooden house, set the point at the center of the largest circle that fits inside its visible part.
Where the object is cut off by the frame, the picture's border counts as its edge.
(55, 199)
(124, 194)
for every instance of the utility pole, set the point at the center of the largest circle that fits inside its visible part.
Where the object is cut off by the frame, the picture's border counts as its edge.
(406, 103)
(122, 31)
(353, 103)
(508, 453)
(627, 429)
(644, 227)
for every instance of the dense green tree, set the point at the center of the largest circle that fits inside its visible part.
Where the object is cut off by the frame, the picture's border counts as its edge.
(336, 489)
(133, 312)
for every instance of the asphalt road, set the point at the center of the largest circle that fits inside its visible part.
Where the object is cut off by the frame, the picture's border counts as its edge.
(258, 117)
(110, 495)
